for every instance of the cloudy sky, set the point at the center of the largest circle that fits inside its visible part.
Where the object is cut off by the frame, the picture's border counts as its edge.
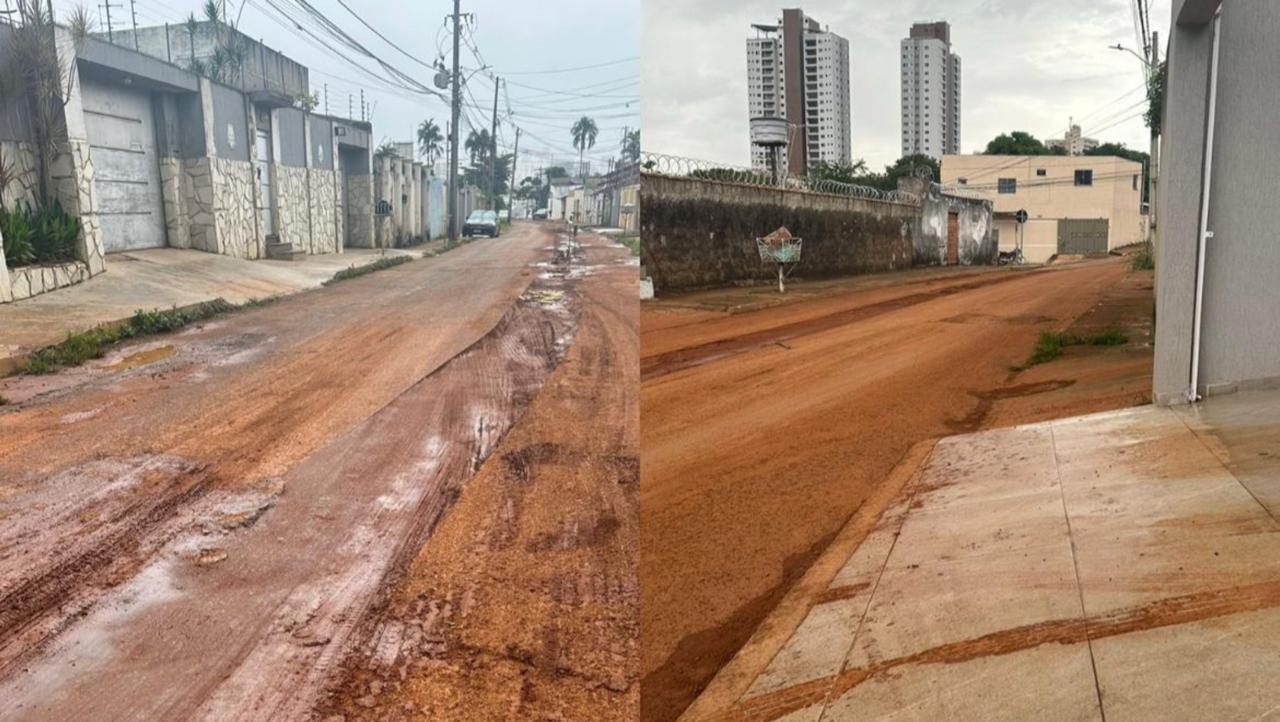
(520, 40)
(1026, 65)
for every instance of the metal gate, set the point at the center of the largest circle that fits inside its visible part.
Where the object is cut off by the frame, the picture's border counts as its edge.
(1083, 236)
(264, 181)
(126, 168)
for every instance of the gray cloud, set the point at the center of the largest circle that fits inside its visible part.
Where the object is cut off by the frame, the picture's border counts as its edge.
(1028, 65)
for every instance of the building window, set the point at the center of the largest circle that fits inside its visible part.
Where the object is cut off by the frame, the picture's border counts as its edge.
(1135, 181)
(1007, 185)
(963, 181)
(1040, 172)
(1084, 177)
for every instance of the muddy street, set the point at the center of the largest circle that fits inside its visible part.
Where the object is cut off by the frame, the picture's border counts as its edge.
(196, 525)
(765, 429)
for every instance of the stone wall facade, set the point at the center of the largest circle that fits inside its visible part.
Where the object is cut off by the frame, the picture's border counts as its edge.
(322, 192)
(293, 210)
(28, 281)
(702, 233)
(360, 199)
(235, 208)
(26, 183)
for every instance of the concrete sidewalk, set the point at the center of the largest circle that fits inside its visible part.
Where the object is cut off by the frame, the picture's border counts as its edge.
(1118, 566)
(163, 278)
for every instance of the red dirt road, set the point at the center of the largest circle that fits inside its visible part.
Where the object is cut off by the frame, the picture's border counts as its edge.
(765, 430)
(194, 528)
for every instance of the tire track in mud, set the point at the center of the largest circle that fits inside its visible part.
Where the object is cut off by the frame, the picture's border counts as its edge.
(351, 517)
(679, 359)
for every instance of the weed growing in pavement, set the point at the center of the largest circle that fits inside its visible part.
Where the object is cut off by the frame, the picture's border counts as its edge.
(1049, 345)
(83, 346)
(632, 243)
(378, 265)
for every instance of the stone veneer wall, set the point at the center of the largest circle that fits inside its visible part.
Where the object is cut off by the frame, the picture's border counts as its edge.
(72, 183)
(25, 186)
(323, 195)
(176, 220)
(28, 281)
(236, 213)
(360, 211)
(293, 211)
(197, 198)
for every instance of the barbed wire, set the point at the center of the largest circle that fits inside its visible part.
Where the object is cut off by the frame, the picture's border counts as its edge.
(676, 166)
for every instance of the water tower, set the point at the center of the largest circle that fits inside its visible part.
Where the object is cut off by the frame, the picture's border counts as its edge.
(770, 133)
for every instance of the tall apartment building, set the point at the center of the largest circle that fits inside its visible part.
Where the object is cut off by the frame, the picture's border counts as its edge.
(799, 71)
(930, 92)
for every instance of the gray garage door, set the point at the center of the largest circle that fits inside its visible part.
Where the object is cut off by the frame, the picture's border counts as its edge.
(126, 171)
(1082, 237)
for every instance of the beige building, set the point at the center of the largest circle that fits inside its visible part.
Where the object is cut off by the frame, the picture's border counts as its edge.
(1075, 204)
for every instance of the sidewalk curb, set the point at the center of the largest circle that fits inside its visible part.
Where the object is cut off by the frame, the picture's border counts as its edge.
(735, 678)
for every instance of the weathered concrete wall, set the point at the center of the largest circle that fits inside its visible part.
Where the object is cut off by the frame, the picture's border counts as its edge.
(700, 233)
(26, 183)
(976, 246)
(1241, 307)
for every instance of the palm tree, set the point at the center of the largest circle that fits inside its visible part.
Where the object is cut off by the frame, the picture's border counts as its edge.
(584, 136)
(631, 146)
(478, 145)
(429, 139)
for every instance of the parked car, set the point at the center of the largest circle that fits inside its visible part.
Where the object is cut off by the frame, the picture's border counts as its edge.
(481, 223)
(540, 214)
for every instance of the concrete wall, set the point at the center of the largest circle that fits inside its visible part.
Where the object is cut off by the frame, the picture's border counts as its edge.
(1241, 302)
(701, 233)
(976, 244)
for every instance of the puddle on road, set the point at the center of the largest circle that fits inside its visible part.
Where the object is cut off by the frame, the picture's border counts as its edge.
(142, 358)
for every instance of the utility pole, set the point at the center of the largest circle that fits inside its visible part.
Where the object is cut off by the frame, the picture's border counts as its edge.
(362, 105)
(1153, 159)
(511, 180)
(455, 107)
(326, 98)
(493, 147)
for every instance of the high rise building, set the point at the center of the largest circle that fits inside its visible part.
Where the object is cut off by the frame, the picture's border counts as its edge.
(799, 71)
(1073, 142)
(930, 92)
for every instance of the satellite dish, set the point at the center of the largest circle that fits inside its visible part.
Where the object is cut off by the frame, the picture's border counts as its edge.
(442, 79)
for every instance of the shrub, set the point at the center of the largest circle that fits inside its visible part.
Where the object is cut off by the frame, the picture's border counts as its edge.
(378, 265)
(47, 235)
(1049, 344)
(1143, 260)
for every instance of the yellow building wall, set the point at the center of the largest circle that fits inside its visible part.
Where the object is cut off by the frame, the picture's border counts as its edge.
(1114, 195)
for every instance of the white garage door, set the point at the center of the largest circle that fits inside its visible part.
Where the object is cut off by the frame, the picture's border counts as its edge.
(126, 171)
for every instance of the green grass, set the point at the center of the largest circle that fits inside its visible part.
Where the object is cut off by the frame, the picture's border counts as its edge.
(1143, 260)
(378, 265)
(631, 242)
(82, 346)
(1049, 344)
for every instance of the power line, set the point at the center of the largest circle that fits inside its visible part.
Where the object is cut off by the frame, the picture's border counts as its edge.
(570, 70)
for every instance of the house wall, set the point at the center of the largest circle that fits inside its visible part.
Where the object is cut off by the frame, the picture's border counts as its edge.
(1114, 195)
(976, 243)
(702, 233)
(1241, 306)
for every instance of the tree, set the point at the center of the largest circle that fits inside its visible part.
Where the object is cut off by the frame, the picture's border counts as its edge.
(481, 174)
(1019, 143)
(478, 145)
(429, 139)
(306, 101)
(555, 171)
(386, 150)
(1154, 117)
(229, 50)
(584, 136)
(631, 146)
(34, 71)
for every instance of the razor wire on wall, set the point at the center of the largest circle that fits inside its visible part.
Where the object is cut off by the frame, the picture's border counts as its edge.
(681, 167)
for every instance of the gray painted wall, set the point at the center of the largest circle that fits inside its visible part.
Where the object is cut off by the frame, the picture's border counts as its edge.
(230, 123)
(14, 121)
(293, 142)
(321, 142)
(1241, 317)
